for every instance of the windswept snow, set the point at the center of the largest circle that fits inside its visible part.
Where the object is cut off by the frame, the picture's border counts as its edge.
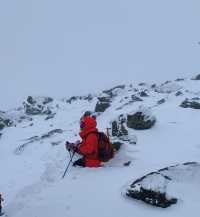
(31, 182)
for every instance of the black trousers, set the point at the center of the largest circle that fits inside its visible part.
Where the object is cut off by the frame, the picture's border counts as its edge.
(80, 162)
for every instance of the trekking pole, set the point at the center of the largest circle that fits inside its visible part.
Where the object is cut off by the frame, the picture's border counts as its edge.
(107, 132)
(71, 158)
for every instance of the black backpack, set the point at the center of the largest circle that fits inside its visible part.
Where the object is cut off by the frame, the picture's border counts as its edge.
(106, 150)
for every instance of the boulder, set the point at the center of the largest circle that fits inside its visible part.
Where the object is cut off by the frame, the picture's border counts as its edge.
(180, 79)
(102, 104)
(197, 77)
(178, 93)
(114, 91)
(161, 101)
(37, 105)
(118, 127)
(153, 187)
(72, 99)
(191, 103)
(143, 94)
(141, 119)
(4, 120)
(135, 98)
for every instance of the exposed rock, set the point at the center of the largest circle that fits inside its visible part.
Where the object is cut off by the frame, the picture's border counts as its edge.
(141, 119)
(161, 101)
(143, 94)
(37, 105)
(56, 143)
(118, 128)
(4, 120)
(127, 164)
(51, 116)
(113, 91)
(136, 99)
(102, 104)
(51, 133)
(72, 99)
(142, 84)
(33, 139)
(152, 188)
(117, 145)
(167, 82)
(190, 103)
(178, 93)
(180, 79)
(89, 97)
(197, 77)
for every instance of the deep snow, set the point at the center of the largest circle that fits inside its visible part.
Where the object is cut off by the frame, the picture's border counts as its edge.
(31, 181)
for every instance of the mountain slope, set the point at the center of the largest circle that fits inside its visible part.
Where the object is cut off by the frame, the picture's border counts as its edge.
(33, 157)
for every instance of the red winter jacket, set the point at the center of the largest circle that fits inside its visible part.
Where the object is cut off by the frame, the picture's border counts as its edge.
(89, 145)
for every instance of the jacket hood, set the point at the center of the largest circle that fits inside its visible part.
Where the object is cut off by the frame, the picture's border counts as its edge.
(90, 126)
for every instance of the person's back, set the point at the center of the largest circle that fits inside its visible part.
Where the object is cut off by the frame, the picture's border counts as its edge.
(89, 145)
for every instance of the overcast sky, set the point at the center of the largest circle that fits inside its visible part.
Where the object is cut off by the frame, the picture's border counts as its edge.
(68, 47)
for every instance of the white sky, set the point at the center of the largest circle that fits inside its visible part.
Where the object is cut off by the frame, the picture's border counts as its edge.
(68, 47)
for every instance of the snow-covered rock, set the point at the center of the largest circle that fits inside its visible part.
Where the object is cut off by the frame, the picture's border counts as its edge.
(191, 103)
(4, 120)
(118, 127)
(153, 188)
(103, 103)
(37, 105)
(168, 87)
(141, 119)
(197, 77)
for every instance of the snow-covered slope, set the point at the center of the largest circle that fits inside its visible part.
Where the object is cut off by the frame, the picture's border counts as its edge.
(33, 157)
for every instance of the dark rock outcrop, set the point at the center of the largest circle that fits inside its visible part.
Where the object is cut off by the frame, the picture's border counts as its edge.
(113, 91)
(141, 119)
(33, 139)
(197, 77)
(72, 99)
(143, 94)
(118, 127)
(102, 104)
(37, 105)
(4, 120)
(180, 79)
(161, 101)
(152, 188)
(135, 98)
(191, 103)
(178, 93)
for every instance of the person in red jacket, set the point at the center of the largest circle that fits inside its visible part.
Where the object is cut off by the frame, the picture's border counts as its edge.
(88, 148)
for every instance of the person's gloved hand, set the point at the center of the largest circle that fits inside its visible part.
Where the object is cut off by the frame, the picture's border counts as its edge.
(68, 145)
(72, 146)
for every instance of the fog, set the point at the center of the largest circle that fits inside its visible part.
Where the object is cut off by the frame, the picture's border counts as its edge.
(61, 48)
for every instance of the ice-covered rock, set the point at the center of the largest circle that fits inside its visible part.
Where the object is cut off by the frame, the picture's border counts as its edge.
(37, 105)
(153, 187)
(103, 103)
(118, 127)
(141, 119)
(5, 121)
(197, 77)
(191, 103)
